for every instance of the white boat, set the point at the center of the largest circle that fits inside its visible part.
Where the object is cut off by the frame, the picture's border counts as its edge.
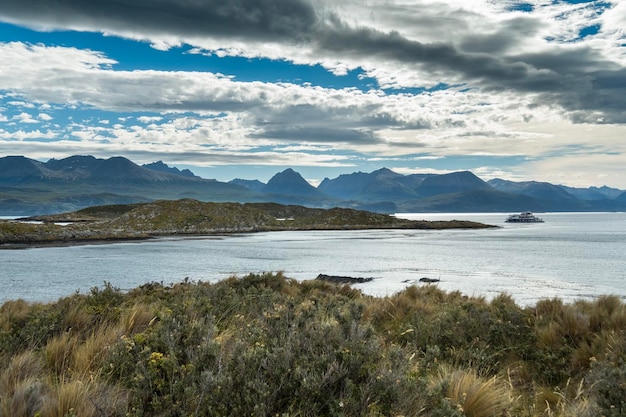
(525, 217)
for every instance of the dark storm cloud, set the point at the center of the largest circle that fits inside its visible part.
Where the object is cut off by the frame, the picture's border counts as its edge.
(280, 20)
(265, 19)
(571, 78)
(576, 78)
(505, 38)
(442, 56)
(573, 60)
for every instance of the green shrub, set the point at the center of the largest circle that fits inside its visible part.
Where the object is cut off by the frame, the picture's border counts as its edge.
(266, 345)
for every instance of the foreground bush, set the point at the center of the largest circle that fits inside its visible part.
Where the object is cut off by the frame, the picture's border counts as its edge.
(265, 345)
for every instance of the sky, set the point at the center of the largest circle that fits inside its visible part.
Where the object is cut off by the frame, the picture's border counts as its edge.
(532, 90)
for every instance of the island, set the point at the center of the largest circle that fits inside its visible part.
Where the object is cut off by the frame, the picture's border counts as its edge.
(188, 217)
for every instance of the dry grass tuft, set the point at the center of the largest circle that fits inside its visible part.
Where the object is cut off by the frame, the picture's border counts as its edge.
(77, 318)
(13, 311)
(69, 398)
(21, 389)
(550, 336)
(607, 313)
(550, 307)
(26, 399)
(570, 402)
(88, 355)
(83, 399)
(575, 324)
(475, 396)
(22, 367)
(137, 319)
(58, 353)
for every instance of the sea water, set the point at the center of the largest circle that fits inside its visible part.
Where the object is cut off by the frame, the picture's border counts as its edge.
(570, 256)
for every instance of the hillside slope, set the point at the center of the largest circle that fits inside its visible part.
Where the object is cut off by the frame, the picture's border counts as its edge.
(192, 217)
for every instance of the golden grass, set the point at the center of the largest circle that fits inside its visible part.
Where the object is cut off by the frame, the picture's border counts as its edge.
(21, 390)
(26, 399)
(550, 336)
(569, 402)
(58, 353)
(61, 380)
(422, 300)
(69, 398)
(77, 318)
(475, 396)
(606, 313)
(575, 323)
(549, 308)
(12, 311)
(23, 367)
(84, 399)
(87, 356)
(136, 319)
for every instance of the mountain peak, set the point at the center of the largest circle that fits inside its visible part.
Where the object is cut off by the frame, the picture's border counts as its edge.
(379, 185)
(386, 172)
(290, 182)
(453, 182)
(20, 167)
(116, 167)
(163, 167)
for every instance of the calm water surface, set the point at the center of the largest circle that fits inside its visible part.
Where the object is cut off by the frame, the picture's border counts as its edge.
(573, 255)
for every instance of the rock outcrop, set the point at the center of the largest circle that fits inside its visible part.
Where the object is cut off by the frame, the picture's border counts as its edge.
(339, 279)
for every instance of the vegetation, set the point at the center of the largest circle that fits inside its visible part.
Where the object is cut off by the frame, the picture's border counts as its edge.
(266, 345)
(188, 217)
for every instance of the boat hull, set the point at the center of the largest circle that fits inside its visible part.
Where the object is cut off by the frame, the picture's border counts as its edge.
(525, 217)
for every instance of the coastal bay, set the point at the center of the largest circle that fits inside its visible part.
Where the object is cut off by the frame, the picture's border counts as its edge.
(518, 313)
(570, 256)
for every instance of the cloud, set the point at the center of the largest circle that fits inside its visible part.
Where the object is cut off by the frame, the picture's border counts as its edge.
(25, 118)
(22, 135)
(23, 104)
(451, 78)
(581, 169)
(234, 113)
(482, 44)
(149, 119)
(263, 20)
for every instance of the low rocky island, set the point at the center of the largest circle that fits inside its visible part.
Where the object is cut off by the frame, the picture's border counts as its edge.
(342, 279)
(189, 217)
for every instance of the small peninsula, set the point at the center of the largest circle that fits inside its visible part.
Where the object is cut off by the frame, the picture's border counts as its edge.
(188, 217)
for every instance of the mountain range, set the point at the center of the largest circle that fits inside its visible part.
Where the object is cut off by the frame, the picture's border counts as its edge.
(29, 187)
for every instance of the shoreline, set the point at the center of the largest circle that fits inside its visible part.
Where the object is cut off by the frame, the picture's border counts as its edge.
(69, 243)
(188, 217)
(21, 245)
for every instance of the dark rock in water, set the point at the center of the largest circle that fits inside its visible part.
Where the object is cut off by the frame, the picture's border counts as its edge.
(338, 279)
(429, 280)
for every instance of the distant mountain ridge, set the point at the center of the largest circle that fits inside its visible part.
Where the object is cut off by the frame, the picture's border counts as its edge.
(28, 187)
(380, 185)
(79, 167)
(162, 167)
